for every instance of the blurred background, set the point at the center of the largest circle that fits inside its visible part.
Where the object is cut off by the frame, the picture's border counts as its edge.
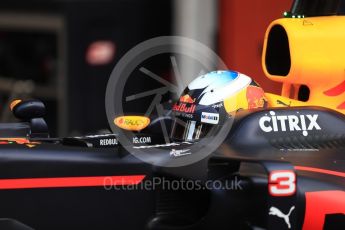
(63, 52)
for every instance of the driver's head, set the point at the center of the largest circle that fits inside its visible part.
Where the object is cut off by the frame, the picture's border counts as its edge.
(209, 100)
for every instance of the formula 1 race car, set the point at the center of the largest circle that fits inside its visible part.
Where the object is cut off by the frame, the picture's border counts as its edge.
(279, 162)
(263, 176)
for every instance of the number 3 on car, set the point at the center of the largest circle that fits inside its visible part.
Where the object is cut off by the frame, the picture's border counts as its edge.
(282, 183)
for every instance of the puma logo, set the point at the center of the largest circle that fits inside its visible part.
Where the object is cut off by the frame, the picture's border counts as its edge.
(276, 212)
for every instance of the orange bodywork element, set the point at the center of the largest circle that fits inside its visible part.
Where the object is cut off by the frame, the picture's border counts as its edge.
(132, 123)
(14, 103)
(20, 141)
(316, 59)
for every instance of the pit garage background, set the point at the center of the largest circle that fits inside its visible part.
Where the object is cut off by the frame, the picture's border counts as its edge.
(63, 52)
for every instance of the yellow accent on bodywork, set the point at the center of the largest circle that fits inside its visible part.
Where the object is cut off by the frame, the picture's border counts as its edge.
(132, 123)
(317, 54)
(280, 101)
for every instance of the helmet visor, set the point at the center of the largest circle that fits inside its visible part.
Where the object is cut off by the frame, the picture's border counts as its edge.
(189, 130)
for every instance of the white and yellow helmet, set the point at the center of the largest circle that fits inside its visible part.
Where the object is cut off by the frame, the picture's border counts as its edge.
(210, 99)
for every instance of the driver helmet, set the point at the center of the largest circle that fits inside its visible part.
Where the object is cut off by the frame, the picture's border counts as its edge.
(209, 100)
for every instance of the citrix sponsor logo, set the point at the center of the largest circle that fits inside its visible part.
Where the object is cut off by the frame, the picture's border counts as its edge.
(285, 123)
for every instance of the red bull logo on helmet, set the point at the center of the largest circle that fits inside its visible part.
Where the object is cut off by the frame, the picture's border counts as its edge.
(184, 108)
(187, 99)
(255, 97)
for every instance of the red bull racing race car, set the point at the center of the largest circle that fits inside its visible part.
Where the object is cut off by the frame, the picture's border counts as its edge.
(232, 156)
